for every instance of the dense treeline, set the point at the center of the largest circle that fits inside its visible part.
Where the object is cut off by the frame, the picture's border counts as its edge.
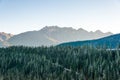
(59, 63)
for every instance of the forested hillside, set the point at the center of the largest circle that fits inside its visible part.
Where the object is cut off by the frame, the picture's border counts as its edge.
(59, 63)
(110, 42)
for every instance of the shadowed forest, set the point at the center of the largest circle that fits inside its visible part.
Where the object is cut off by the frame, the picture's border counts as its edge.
(59, 63)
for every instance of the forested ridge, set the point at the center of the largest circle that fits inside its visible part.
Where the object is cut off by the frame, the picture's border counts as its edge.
(110, 42)
(59, 63)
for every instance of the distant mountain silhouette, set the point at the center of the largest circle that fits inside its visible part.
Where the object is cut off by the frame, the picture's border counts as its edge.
(110, 42)
(4, 37)
(53, 35)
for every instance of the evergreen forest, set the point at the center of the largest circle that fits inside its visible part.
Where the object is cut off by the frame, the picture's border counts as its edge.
(59, 63)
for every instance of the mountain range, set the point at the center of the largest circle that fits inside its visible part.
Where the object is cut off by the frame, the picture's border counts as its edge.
(50, 35)
(112, 41)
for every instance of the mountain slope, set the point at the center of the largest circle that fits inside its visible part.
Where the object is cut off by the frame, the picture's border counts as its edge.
(33, 38)
(3, 38)
(53, 35)
(1, 44)
(111, 41)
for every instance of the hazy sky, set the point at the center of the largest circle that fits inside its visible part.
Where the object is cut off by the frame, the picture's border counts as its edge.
(18, 16)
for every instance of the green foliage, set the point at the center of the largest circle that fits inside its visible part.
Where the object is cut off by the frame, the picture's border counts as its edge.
(59, 63)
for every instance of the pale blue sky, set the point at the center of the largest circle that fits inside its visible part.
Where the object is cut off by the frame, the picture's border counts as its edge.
(18, 16)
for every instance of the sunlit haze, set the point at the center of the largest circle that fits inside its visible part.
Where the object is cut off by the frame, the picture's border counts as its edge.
(18, 16)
